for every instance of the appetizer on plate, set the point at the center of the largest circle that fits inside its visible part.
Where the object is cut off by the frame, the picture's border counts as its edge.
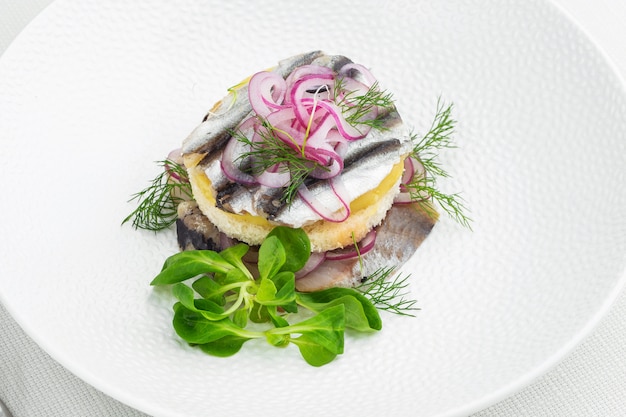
(314, 143)
(298, 186)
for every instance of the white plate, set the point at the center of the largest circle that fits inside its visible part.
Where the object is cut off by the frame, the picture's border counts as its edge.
(92, 93)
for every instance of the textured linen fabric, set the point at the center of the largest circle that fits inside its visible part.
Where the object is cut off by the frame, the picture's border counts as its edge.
(33, 384)
(589, 382)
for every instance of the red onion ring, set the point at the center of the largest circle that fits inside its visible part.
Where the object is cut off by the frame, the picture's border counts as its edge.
(266, 92)
(346, 129)
(413, 168)
(324, 212)
(302, 111)
(315, 260)
(304, 71)
(175, 156)
(365, 245)
(349, 69)
(227, 164)
(277, 178)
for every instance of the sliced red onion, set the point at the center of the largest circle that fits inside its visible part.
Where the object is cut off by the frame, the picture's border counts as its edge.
(324, 212)
(228, 164)
(311, 264)
(303, 113)
(349, 70)
(403, 198)
(340, 190)
(299, 92)
(365, 245)
(351, 89)
(304, 71)
(266, 91)
(274, 178)
(332, 166)
(318, 134)
(413, 168)
(347, 130)
(175, 156)
(225, 241)
(407, 175)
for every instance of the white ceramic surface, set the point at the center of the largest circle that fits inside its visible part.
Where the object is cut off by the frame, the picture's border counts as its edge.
(91, 94)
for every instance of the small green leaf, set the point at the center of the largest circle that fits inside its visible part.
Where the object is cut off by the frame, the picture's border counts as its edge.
(234, 254)
(194, 328)
(231, 277)
(240, 318)
(185, 295)
(286, 291)
(266, 294)
(325, 329)
(278, 340)
(276, 319)
(224, 347)
(272, 257)
(361, 314)
(280, 290)
(189, 264)
(209, 289)
(258, 313)
(312, 352)
(207, 308)
(296, 244)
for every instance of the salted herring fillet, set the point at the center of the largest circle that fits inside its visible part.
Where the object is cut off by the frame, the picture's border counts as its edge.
(367, 163)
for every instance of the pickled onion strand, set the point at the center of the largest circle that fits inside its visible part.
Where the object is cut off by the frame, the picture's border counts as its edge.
(308, 111)
(227, 164)
(349, 252)
(349, 70)
(266, 90)
(315, 260)
(320, 209)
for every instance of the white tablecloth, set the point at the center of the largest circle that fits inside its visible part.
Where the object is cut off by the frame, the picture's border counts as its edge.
(589, 382)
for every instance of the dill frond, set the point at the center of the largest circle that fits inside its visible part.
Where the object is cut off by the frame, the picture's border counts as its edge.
(388, 295)
(356, 107)
(427, 150)
(271, 151)
(157, 203)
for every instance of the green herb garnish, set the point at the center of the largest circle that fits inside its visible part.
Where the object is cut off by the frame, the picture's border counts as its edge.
(356, 108)
(158, 202)
(388, 295)
(218, 297)
(271, 151)
(423, 188)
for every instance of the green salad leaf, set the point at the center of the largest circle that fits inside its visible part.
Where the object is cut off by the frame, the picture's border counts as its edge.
(218, 296)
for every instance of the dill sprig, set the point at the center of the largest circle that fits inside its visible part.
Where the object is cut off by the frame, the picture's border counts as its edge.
(356, 108)
(270, 152)
(159, 201)
(427, 150)
(452, 204)
(388, 295)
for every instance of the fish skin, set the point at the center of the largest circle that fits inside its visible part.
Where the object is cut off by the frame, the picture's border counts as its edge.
(397, 238)
(286, 66)
(214, 132)
(334, 62)
(364, 169)
(393, 143)
(194, 230)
